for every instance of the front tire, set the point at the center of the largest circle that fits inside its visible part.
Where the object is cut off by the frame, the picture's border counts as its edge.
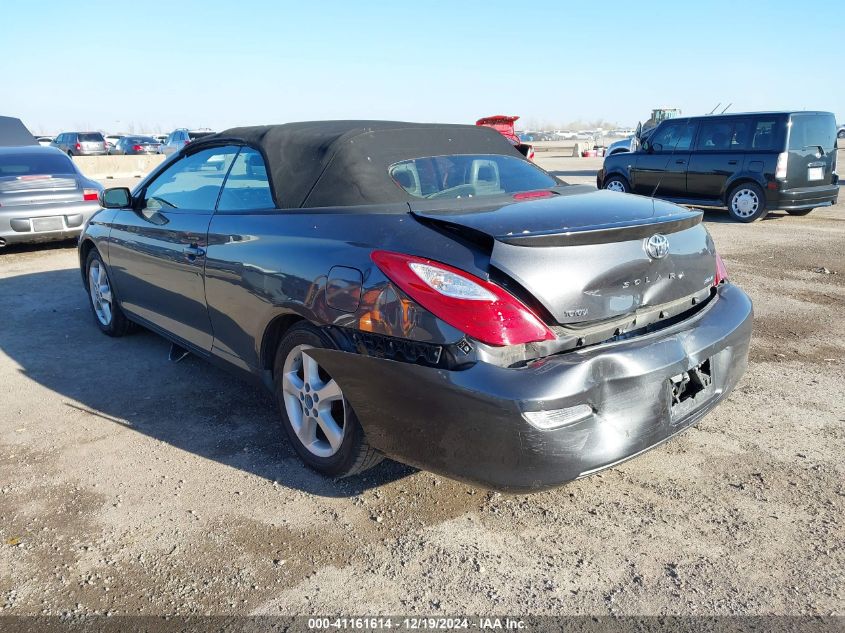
(617, 183)
(107, 312)
(747, 202)
(318, 419)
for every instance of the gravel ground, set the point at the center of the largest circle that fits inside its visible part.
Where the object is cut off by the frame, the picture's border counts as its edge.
(131, 485)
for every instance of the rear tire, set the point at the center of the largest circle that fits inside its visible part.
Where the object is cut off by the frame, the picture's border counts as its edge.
(747, 203)
(617, 183)
(108, 315)
(318, 419)
(798, 211)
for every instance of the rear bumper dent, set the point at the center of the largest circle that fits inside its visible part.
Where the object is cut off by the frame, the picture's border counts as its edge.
(471, 424)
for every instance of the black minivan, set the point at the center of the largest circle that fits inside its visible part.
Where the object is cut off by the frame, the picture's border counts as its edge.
(751, 163)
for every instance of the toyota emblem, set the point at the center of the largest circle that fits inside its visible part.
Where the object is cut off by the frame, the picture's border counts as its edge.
(657, 246)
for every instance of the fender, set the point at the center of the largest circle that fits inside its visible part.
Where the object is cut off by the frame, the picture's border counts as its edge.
(742, 176)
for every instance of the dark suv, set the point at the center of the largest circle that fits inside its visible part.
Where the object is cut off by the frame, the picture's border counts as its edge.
(750, 163)
(81, 143)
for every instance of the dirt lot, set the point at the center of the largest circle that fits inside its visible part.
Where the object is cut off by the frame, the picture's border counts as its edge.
(129, 484)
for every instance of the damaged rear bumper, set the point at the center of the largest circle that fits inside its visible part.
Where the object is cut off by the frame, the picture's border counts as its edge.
(615, 401)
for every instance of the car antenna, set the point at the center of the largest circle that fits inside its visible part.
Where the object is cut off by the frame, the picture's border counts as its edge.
(726, 107)
(714, 109)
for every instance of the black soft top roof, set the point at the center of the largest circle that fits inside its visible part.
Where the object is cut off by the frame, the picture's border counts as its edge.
(345, 163)
(14, 133)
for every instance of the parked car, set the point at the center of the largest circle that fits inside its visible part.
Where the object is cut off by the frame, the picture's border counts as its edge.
(161, 138)
(840, 133)
(133, 145)
(111, 141)
(13, 133)
(628, 144)
(81, 143)
(750, 163)
(44, 141)
(398, 288)
(43, 196)
(504, 125)
(181, 137)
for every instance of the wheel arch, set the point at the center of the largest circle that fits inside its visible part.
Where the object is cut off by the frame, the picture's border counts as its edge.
(740, 179)
(273, 334)
(85, 247)
(616, 172)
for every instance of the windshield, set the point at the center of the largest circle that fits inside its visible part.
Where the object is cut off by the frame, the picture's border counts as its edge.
(812, 130)
(135, 140)
(89, 137)
(25, 165)
(468, 176)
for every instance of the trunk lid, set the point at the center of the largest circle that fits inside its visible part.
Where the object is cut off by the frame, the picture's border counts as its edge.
(583, 254)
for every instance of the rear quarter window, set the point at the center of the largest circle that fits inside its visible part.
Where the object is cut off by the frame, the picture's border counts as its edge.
(767, 134)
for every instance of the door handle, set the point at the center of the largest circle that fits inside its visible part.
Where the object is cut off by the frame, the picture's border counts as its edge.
(192, 252)
(731, 162)
(680, 161)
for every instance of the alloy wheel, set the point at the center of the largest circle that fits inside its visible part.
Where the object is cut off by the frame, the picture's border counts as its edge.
(745, 203)
(100, 291)
(615, 185)
(314, 403)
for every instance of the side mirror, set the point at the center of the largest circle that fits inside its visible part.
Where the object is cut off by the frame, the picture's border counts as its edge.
(115, 198)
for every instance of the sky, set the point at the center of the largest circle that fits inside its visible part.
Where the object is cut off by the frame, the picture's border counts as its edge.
(149, 65)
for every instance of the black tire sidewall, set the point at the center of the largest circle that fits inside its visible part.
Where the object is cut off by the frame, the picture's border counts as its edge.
(799, 211)
(761, 195)
(621, 179)
(341, 462)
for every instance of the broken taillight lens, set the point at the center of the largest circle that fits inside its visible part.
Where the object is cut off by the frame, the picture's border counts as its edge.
(721, 271)
(478, 308)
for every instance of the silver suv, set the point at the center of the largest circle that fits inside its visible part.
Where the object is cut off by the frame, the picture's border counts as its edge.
(181, 137)
(81, 143)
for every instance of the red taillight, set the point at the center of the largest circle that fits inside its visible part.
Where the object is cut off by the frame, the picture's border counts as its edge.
(78, 146)
(89, 195)
(137, 148)
(721, 271)
(478, 308)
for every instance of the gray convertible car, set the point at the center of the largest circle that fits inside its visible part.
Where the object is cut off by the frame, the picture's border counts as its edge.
(424, 292)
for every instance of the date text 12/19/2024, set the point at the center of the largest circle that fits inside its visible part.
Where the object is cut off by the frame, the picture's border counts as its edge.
(417, 623)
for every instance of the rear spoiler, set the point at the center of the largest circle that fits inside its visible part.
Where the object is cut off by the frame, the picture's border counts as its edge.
(597, 234)
(601, 234)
